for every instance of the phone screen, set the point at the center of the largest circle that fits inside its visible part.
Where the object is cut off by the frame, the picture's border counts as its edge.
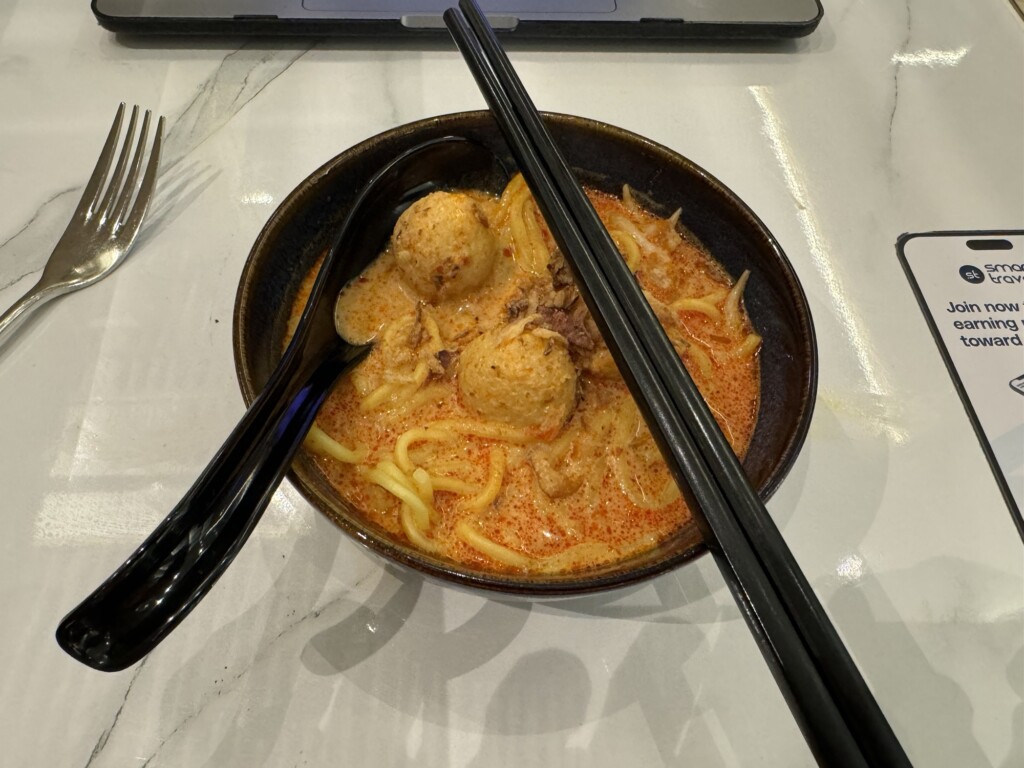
(970, 286)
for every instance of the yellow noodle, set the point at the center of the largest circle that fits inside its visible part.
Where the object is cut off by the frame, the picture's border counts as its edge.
(520, 239)
(488, 430)
(673, 239)
(320, 442)
(530, 250)
(534, 248)
(432, 330)
(653, 228)
(424, 485)
(392, 328)
(627, 247)
(493, 486)
(419, 376)
(697, 305)
(474, 538)
(361, 382)
(451, 467)
(733, 315)
(627, 421)
(424, 396)
(414, 532)
(746, 348)
(393, 471)
(406, 324)
(415, 436)
(513, 330)
(379, 396)
(391, 390)
(512, 204)
(627, 198)
(703, 360)
(715, 296)
(453, 485)
(511, 193)
(625, 225)
(401, 491)
(668, 493)
(547, 333)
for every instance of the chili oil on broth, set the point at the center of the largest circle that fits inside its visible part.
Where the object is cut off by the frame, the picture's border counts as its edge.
(576, 487)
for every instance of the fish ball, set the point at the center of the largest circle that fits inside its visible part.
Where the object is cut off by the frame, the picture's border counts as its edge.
(443, 246)
(526, 380)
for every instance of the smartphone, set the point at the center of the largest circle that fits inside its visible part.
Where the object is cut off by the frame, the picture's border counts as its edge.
(970, 286)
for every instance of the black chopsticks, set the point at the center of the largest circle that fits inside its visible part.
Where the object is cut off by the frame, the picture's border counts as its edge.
(835, 709)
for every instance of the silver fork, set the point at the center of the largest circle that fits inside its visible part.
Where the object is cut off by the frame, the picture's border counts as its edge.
(104, 225)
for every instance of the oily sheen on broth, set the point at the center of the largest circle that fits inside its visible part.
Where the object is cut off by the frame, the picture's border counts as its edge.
(489, 425)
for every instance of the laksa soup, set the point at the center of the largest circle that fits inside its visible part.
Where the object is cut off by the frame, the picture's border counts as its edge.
(489, 425)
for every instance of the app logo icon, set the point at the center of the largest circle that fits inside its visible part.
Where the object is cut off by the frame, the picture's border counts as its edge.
(972, 274)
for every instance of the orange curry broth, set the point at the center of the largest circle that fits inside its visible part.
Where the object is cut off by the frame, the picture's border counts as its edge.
(523, 517)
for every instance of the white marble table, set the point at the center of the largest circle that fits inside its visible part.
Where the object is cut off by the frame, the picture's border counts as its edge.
(892, 117)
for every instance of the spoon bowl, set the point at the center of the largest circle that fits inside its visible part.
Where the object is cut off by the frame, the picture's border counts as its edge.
(167, 576)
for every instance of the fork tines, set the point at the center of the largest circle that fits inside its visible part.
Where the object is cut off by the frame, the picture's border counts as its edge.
(105, 223)
(114, 206)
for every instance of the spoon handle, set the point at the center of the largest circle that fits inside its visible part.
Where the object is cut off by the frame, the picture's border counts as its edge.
(173, 569)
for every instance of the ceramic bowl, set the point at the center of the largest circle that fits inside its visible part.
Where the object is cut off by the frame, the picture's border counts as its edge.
(605, 157)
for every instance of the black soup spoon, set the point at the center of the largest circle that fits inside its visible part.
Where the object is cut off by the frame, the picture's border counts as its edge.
(173, 569)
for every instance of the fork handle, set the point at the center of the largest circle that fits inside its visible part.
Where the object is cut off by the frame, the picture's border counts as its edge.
(166, 577)
(36, 296)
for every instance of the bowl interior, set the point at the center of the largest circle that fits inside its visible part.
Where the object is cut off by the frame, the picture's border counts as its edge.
(606, 158)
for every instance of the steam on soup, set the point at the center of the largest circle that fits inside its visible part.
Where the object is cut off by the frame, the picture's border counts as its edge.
(489, 425)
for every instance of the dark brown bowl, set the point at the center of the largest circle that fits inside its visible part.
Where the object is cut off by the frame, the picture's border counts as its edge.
(605, 157)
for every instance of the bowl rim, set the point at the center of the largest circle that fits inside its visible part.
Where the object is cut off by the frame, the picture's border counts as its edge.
(451, 574)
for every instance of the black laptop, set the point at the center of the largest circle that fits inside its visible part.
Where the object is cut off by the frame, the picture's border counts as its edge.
(564, 19)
